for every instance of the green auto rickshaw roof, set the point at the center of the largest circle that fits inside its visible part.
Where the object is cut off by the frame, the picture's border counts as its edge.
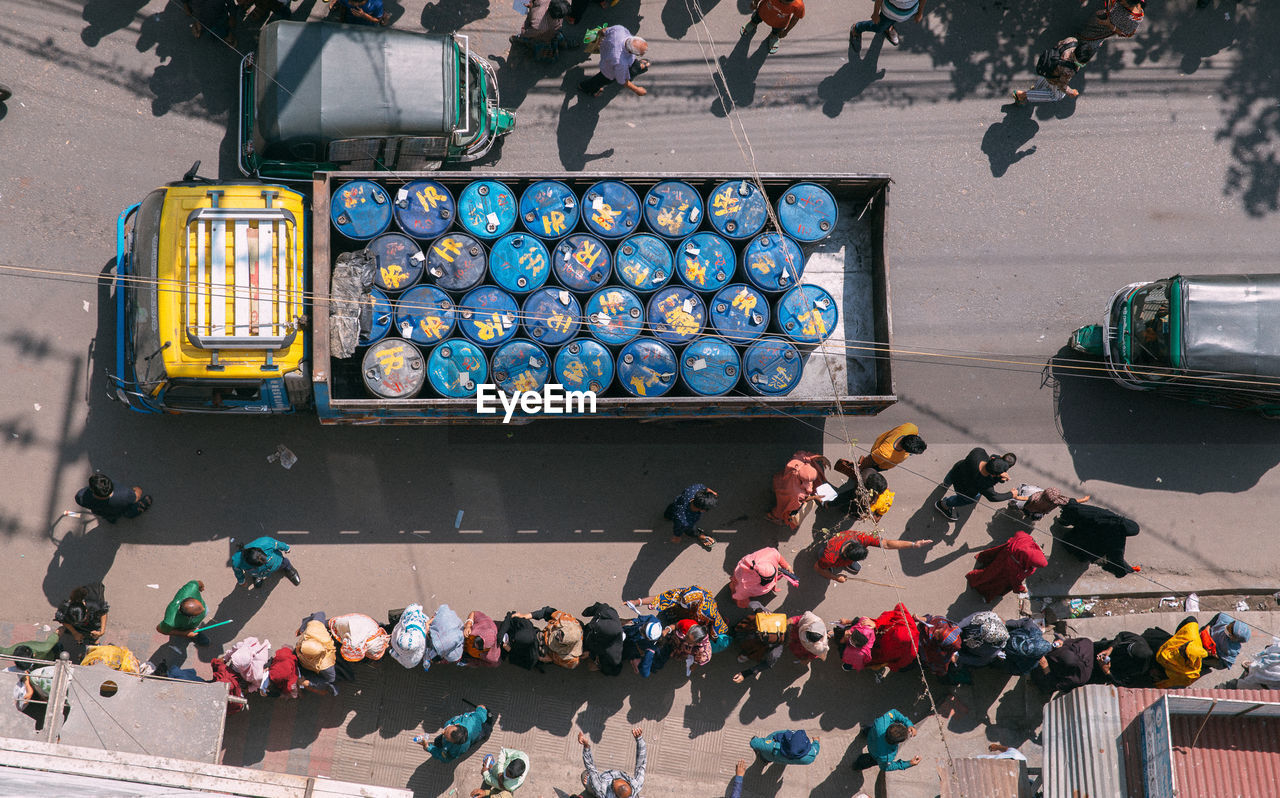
(1231, 324)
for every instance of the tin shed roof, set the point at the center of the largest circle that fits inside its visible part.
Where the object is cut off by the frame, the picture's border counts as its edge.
(972, 777)
(1082, 744)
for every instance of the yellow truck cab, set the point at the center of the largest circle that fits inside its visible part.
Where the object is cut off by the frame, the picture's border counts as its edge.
(211, 300)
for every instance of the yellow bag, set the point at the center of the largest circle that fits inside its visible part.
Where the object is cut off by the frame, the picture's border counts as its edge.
(771, 625)
(115, 657)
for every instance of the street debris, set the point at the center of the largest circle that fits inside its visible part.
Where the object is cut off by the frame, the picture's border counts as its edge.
(1192, 604)
(282, 454)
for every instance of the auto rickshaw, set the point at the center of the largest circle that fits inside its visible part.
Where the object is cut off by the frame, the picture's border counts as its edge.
(1209, 339)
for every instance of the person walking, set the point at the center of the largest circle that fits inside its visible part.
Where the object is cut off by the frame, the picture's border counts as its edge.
(787, 747)
(846, 550)
(461, 734)
(1035, 502)
(796, 485)
(502, 775)
(884, 16)
(542, 32)
(780, 15)
(186, 611)
(259, 559)
(103, 499)
(620, 61)
(1116, 18)
(974, 476)
(887, 733)
(1004, 568)
(1098, 535)
(685, 512)
(891, 449)
(1056, 67)
(361, 12)
(613, 783)
(757, 575)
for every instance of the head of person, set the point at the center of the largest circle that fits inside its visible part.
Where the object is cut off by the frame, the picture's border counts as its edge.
(24, 651)
(255, 557)
(100, 485)
(854, 551)
(767, 572)
(813, 637)
(996, 466)
(456, 734)
(912, 444)
(653, 630)
(696, 633)
(897, 733)
(191, 607)
(704, 500)
(637, 47)
(858, 637)
(75, 614)
(1085, 52)
(876, 483)
(515, 769)
(1010, 458)
(558, 9)
(620, 788)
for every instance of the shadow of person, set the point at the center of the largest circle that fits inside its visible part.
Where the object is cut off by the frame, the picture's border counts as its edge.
(765, 778)
(1003, 140)
(239, 606)
(186, 73)
(679, 15)
(579, 116)
(657, 553)
(926, 524)
(81, 558)
(843, 778)
(107, 16)
(518, 71)
(1066, 565)
(710, 703)
(736, 79)
(851, 80)
(1019, 712)
(448, 16)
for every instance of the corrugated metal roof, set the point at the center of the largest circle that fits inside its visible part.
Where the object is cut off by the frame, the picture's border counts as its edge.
(984, 778)
(1082, 744)
(1235, 756)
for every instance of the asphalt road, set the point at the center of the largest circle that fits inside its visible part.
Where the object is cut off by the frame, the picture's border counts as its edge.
(1008, 228)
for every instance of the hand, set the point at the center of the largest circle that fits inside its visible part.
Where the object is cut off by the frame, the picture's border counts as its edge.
(911, 731)
(640, 91)
(875, 16)
(637, 732)
(815, 739)
(582, 738)
(997, 748)
(738, 678)
(1083, 499)
(741, 769)
(842, 578)
(920, 544)
(199, 585)
(919, 18)
(915, 760)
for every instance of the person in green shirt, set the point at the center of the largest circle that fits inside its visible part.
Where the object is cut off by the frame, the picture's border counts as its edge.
(183, 616)
(503, 774)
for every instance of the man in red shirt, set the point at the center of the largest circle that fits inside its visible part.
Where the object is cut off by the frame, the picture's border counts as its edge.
(781, 15)
(847, 549)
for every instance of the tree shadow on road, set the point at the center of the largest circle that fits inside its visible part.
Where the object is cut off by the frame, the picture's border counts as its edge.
(1252, 124)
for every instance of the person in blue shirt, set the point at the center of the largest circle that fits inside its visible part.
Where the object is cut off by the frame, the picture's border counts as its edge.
(687, 509)
(735, 786)
(259, 559)
(109, 503)
(461, 734)
(786, 747)
(362, 12)
(889, 731)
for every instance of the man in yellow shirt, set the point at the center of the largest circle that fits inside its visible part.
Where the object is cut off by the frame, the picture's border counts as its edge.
(894, 446)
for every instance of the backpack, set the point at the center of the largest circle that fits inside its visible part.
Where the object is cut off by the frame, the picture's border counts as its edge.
(1051, 60)
(771, 627)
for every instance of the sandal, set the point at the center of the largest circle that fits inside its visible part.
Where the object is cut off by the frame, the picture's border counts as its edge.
(707, 542)
(773, 48)
(1020, 97)
(893, 37)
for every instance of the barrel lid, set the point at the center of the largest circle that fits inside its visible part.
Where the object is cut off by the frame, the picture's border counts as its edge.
(807, 314)
(456, 261)
(520, 365)
(705, 262)
(488, 316)
(360, 209)
(424, 208)
(611, 209)
(738, 209)
(519, 262)
(673, 209)
(487, 208)
(647, 367)
(807, 212)
(382, 318)
(581, 262)
(710, 366)
(771, 366)
(614, 315)
(456, 367)
(399, 261)
(740, 313)
(551, 316)
(393, 369)
(584, 365)
(676, 314)
(773, 262)
(424, 314)
(643, 262)
(549, 209)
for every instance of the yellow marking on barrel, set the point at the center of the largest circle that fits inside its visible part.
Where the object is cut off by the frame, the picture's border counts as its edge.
(488, 330)
(534, 262)
(587, 254)
(553, 223)
(391, 359)
(559, 322)
(605, 216)
(725, 202)
(429, 198)
(393, 275)
(575, 370)
(763, 264)
(695, 271)
(613, 302)
(447, 248)
(432, 327)
(745, 301)
(814, 324)
(525, 382)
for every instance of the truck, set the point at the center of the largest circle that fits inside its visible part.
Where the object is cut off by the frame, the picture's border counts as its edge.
(224, 302)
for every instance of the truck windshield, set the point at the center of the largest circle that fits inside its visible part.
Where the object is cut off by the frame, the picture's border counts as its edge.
(475, 119)
(1149, 327)
(142, 325)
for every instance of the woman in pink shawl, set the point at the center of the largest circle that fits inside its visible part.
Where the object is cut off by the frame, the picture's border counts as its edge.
(757, 574)
(795, 485)
(1004, 568)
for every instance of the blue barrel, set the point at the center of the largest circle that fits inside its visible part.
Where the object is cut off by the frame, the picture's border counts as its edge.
(647, 367)
(740, 313)
(424, 208)
(705, 262)
(611, 209)
(381, 318)
(399, 261)
(520, 365)
(360, 210)
(488, 316)
(393, 369)
(551, 316)
(456, 261)
(581, 262)
(738, 209)
(425, 314)
(807, 212)
(676, 314)
(584, 365)
(614, 315)
(773, 262)
(710, 366)
(487, 208)
(456, 367)
(519, 262)
(771, 367)
(673, 209)
(643, 262)
(549, 209)
(807, 314)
